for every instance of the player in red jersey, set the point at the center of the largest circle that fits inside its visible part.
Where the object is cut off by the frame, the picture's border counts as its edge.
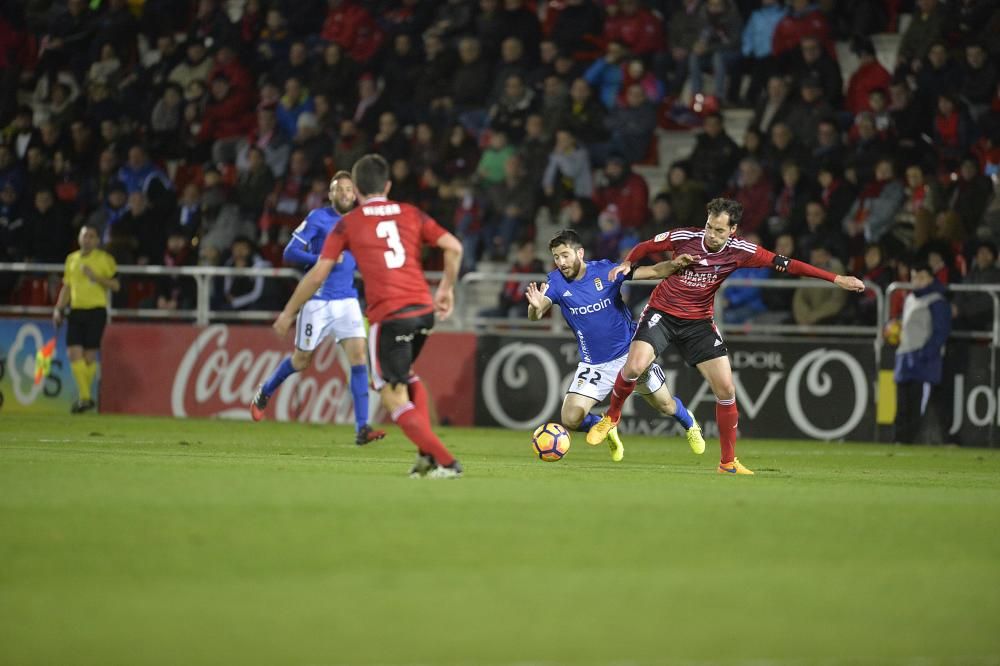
(386, 238)
(680, 311)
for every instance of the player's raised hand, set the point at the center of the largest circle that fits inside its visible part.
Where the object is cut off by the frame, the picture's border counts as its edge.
(282, 325)
(536, 294)
(621, 269)
(684, 260)
(849, 282)
(444, 302)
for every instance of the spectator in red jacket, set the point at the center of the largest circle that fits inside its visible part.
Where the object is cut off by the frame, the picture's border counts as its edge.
(636, 27)
(627, 191)
(803, 20)
(226, 120)
(869, 76)
(754, 192)
(352, 27)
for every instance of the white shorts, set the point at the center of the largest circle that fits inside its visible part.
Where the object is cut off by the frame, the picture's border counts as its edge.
(318, 319)
(596, 381)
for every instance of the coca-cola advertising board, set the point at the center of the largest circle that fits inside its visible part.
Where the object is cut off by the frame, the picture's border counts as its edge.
(182, 370)
(794, 389)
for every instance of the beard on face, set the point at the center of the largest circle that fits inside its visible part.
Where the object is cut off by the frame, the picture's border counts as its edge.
(574, 270)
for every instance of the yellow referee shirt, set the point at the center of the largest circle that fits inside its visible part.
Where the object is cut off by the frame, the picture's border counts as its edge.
(84, 293)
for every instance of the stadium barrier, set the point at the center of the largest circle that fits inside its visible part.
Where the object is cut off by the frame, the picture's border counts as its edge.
(519, 369)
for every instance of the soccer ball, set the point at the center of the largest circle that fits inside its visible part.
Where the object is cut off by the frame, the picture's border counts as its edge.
(551, 442)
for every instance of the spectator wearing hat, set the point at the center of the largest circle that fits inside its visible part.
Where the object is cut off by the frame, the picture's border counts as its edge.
(870, 75)
(974, 311)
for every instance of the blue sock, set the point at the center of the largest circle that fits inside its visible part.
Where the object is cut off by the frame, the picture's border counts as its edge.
(588, 422)
(683, 416)
(279, 375)
(359, 389)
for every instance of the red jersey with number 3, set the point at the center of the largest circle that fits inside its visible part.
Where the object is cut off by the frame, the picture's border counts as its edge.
(690, 293)
(386, 238)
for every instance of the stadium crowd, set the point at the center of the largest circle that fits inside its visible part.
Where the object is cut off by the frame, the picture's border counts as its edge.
(202, 131)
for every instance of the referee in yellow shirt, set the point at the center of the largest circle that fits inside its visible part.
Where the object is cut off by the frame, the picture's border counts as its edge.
(90, 272)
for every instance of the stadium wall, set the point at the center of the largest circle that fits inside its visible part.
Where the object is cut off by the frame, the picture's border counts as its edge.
(787, 388)
(181, 370)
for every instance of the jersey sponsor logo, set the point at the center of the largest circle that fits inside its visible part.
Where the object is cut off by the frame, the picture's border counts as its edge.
(382, 210)
(598, 284)
(592, 307)
(699, 280)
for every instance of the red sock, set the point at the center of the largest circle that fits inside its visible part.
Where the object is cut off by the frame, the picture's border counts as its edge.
(622, 390)
(727, 416)
(418, 395)
(417, 429)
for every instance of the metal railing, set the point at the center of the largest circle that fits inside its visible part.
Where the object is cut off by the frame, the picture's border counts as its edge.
(468, 309)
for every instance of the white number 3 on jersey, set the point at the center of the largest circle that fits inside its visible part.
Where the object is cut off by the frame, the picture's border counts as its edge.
(395, 256)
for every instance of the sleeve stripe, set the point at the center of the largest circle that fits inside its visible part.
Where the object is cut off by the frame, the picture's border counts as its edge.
(744, 245)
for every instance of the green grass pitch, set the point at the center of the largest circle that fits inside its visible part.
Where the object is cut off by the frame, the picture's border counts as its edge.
(153, 541)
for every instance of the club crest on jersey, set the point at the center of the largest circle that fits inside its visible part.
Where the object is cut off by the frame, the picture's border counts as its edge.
(598, 284)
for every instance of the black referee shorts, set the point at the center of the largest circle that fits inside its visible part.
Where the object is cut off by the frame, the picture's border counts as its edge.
(696, 340)
(85, 327)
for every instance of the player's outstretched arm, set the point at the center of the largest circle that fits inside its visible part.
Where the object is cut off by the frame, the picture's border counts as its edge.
(309, 285)
(444, 297)
(538, 302)
(663, 269)
(782, 264)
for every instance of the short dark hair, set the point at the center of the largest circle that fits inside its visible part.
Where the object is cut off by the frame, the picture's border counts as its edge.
(921, 267)
(720, 205)
(566, 237)
(92, 227)
(370, 174)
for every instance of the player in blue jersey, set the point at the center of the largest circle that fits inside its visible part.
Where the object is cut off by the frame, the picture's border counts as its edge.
(333, 310)
(603, 325)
